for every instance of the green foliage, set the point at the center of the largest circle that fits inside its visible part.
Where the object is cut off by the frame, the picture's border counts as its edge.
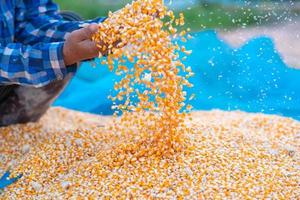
(217, 16)
(89, 9)
(199, 17)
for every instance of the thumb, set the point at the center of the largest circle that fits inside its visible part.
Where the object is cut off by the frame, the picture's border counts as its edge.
(85, 33)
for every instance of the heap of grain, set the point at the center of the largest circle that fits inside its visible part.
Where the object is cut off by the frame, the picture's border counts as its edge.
(229, 156)
(152, 150)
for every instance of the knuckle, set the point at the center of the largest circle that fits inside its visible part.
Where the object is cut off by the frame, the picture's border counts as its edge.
(88, 32)
(73, 36)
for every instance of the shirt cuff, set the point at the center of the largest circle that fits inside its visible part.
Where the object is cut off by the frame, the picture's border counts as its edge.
(56, 68)
(95, 21)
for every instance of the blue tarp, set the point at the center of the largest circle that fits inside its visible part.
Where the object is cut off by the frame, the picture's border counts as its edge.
(251, 78)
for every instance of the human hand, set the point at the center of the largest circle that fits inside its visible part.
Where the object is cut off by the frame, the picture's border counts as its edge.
(79, 45)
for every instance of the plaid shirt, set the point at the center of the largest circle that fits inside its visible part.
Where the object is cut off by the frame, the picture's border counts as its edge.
(31, 42)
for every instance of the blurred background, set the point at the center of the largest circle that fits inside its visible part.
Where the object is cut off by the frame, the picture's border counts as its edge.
(201, 14)
(245, 56)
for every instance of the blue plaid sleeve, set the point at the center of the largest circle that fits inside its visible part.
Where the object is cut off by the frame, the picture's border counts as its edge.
(35, 65)
(36, 56)
(39, 21)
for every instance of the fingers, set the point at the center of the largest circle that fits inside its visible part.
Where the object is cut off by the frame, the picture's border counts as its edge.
(85, 33)
(90, 49)
(79, 45)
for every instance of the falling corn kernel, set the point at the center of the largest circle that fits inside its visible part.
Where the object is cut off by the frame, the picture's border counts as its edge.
(150, 46)
(192, 97)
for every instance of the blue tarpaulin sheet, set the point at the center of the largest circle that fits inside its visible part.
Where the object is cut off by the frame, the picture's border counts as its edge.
(251, 78)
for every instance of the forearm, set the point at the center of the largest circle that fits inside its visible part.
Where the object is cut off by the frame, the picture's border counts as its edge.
(47, 32)
(39, 21)
(35, 65)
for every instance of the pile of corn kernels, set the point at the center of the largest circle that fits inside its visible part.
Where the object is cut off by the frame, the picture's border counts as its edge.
(228, 156)
(154, 150)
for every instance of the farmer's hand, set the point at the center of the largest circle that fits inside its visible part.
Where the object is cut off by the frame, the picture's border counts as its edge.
(79, 45)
